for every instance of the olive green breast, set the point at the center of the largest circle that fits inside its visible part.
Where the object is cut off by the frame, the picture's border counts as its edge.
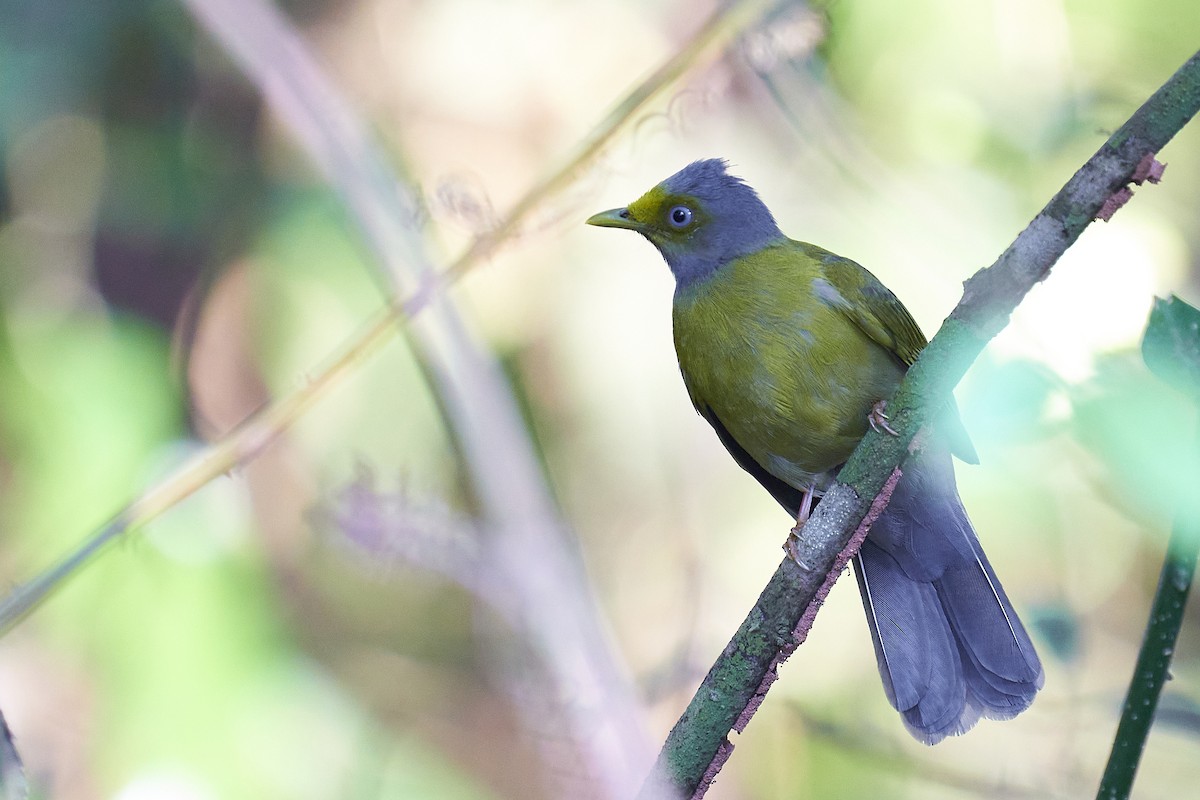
(767, 346)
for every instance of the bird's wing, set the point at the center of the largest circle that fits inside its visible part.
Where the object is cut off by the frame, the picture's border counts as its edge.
(873, 308)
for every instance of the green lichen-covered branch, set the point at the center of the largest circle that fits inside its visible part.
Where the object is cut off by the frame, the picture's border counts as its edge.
(698, 745)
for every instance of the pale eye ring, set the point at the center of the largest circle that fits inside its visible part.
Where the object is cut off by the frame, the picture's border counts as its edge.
(679, 216)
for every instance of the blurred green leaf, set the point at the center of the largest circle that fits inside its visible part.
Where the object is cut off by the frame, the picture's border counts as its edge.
(1057, 627)
(1126, 419)
(1171, 346)
(1009, 401)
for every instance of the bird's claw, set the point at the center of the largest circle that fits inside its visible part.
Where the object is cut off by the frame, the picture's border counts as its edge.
(792, 544)
(879, 420)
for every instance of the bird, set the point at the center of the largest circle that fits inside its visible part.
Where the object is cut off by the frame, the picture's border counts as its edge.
(790, 353)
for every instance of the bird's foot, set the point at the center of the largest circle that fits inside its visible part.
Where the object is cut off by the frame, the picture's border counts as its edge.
(793, 539)
(879, 420)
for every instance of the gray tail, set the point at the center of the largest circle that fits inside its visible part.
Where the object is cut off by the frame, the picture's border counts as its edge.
(949, 644)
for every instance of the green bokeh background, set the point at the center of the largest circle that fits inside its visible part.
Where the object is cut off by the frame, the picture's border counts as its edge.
(170, 261)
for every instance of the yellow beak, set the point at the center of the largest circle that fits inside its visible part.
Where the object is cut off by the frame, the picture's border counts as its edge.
(615, 218)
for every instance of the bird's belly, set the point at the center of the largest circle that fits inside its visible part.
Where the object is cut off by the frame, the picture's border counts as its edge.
(798, 406)
(801, 431)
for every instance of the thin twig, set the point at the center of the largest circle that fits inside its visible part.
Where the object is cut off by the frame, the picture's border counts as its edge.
(242, 444)
(780, 618)
(521, 523)
(730, 19)
(247, 439)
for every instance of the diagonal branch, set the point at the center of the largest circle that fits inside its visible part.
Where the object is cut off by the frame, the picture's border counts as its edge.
(697, 746)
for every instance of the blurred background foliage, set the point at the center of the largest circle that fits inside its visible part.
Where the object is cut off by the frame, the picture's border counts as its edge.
(170, 260)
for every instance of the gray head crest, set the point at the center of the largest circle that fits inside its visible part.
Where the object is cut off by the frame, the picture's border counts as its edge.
(708, 180)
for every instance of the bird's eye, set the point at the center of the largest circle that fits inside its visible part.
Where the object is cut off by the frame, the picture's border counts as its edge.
(680, 216)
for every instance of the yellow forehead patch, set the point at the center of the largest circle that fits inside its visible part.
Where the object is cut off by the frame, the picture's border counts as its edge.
(649, 206)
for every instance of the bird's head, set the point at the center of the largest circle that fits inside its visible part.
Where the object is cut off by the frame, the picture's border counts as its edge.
(700, 219)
